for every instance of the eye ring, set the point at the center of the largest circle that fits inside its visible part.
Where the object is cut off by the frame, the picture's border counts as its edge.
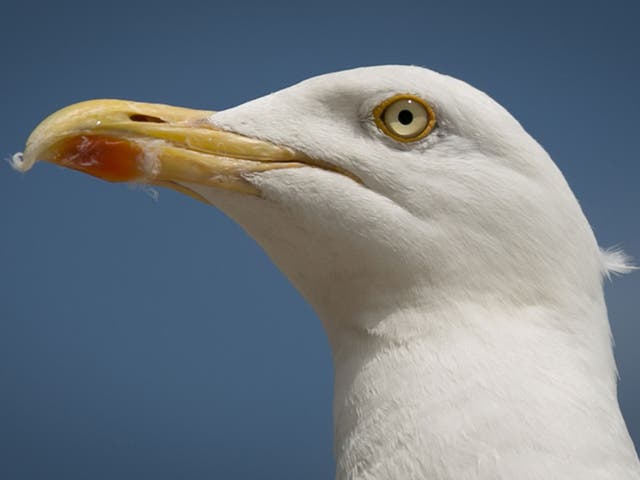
(405, 118)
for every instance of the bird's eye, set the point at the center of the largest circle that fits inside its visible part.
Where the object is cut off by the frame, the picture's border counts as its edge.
(405, 118)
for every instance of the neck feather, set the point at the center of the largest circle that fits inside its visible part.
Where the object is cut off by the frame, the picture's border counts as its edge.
(514, 393)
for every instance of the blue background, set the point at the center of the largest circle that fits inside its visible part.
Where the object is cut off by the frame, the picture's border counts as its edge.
(143, 339)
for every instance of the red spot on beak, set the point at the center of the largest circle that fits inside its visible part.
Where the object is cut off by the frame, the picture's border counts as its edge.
(109, 158)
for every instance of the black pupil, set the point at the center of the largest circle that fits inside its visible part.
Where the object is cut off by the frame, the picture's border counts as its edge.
(405, 117)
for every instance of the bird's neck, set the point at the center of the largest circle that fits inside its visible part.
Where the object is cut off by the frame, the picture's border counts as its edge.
(478, 394)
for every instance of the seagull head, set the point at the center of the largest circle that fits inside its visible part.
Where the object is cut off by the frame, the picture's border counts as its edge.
(357, 180)
(456, 276)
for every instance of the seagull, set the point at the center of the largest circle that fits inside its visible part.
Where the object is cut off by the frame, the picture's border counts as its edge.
(454, 272)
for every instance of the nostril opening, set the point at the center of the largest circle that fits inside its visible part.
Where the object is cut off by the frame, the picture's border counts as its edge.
(138, 117)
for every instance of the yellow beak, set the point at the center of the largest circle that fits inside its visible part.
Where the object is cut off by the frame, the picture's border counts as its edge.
(123, 141)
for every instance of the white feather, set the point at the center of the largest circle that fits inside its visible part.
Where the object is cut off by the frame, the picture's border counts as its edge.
(616, 261)
(460, 285)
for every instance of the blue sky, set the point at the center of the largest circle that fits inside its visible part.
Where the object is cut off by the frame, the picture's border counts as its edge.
(144, 339)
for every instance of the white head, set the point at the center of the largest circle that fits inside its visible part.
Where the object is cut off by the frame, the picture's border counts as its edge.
(476, 209)
(452, 266)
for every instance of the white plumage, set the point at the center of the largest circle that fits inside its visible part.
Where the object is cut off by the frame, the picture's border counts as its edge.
(460, 286)
(459, 283)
